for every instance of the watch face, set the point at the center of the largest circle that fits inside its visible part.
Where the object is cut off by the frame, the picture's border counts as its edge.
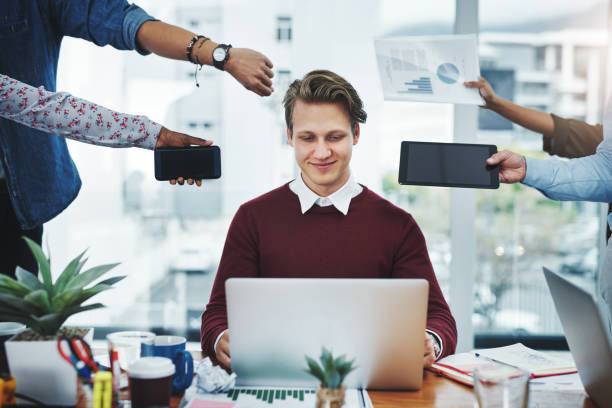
(218, 54)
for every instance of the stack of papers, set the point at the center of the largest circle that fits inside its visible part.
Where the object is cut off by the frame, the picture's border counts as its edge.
(259, 397)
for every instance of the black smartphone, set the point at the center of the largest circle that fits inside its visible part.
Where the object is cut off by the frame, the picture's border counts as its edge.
(198, 162)
(448, 165)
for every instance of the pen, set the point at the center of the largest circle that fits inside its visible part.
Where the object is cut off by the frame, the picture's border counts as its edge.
(360, 390)
(503, 364)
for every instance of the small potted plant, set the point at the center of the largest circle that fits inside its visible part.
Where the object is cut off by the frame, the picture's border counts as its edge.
(43, 306)
(331, 373)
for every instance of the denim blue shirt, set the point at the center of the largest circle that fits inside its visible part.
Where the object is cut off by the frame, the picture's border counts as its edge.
(41, 177)
(584, 179)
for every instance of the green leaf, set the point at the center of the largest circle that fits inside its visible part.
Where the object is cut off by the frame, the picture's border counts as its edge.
(68, 273)
(78, 309)
(40, 299)
(48, 324)
(111, 281)
(345, 369)
(65, 299)
(315, 370)
(333, 379)
(339, 361)
(89, 276)
(28, 279)
(43, 263)
(15, 288)
(327, 360)
(88, 293)
(13, 302)
(7, 316)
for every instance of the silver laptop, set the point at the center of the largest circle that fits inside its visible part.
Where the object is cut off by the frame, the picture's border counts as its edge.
(274, 323)
(587, 335)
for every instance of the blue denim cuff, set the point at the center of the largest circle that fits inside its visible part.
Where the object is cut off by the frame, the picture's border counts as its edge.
(131, 23)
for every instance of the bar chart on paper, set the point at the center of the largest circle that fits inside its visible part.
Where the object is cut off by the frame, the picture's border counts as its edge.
(421, 85)
(428, 69)
(260, 397)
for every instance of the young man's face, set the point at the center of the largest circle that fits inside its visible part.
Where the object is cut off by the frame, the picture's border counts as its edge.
(323, 143)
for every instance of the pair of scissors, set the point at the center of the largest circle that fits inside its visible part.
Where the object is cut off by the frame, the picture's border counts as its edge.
(79, 355)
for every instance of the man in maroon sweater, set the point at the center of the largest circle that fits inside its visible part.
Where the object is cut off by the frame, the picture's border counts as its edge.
(323, 224)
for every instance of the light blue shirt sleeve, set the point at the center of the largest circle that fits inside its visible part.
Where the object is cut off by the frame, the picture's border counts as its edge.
(583, 179)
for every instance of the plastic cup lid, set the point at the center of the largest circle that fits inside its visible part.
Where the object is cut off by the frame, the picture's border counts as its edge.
(151, 367)
(136, 336)
(10, 328)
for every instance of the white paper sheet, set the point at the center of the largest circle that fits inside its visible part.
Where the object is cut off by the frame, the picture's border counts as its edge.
(429, 69)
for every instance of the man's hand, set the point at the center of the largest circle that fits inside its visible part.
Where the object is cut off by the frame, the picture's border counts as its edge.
(430, 353)
(512, 166)
(168, 138)
(222, 351)
(252, 69)
(485, 90)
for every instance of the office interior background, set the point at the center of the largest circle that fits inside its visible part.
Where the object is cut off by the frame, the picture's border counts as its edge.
(487, 246)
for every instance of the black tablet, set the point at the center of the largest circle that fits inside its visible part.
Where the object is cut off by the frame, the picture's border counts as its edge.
(448, 165)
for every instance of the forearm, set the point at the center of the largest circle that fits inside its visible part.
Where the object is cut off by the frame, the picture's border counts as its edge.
(584, 179)
(64, 115)
(535, 120)
(214, 323)
(170, 41)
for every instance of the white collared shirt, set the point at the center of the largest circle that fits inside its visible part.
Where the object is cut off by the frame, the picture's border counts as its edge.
(341, 198)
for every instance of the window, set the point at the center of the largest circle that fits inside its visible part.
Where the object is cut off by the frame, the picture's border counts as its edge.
(518, 229)
(283, 29)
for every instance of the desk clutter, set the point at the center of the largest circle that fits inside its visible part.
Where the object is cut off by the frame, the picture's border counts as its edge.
(213, 387)
(266, 397)
(460, 366)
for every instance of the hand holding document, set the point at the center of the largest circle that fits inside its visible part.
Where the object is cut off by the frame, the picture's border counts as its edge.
(429, 69)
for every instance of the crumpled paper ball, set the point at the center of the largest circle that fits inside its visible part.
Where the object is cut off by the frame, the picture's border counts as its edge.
(213, 379)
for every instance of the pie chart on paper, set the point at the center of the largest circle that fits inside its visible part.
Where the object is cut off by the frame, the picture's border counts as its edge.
(448, 73)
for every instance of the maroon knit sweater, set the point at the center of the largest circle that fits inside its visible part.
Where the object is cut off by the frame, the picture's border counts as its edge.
(270, 237)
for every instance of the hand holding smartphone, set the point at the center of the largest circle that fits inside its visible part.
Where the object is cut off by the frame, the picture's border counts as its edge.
(196, 162)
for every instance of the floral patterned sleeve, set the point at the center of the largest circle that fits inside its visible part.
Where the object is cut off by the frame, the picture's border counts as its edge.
(64, 115)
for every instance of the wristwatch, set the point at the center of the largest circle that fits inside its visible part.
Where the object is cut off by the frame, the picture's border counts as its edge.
(220, 55)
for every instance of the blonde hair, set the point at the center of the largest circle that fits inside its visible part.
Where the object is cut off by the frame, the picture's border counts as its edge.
(324, 86)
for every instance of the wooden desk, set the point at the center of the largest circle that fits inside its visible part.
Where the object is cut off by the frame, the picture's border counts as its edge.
(440, 392)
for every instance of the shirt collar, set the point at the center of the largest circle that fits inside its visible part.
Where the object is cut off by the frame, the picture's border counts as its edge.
(341, 199)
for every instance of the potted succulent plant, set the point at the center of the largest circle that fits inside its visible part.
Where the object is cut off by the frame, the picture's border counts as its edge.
(43, 306)
(331, 373)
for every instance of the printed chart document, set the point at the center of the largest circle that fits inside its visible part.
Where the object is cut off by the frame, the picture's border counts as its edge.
(260, 397)
(429, 69)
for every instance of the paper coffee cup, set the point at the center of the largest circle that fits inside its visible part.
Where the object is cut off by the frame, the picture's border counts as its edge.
(151, 382)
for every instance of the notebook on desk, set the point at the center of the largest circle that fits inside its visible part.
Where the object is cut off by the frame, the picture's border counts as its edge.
(459, 367)
(274, 323)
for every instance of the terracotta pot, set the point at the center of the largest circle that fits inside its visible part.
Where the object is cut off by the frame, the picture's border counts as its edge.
(330, 398)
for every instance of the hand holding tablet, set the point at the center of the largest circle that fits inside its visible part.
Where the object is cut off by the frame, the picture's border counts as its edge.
(448, 165)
